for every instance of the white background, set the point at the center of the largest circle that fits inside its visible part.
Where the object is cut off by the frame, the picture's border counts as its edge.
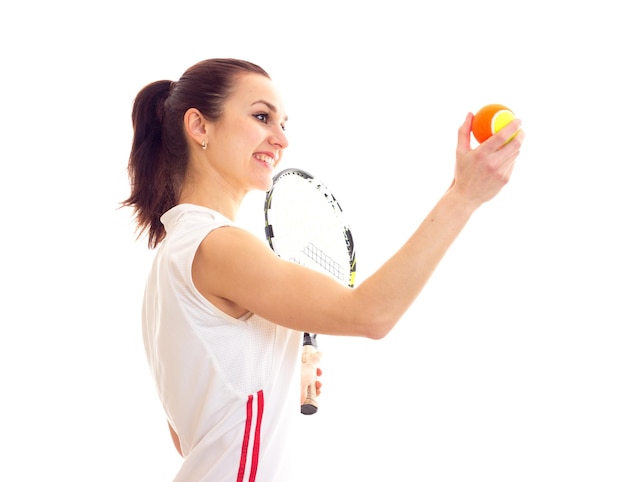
(511, 366)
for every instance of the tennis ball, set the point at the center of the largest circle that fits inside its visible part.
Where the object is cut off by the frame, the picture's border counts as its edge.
(489, 120)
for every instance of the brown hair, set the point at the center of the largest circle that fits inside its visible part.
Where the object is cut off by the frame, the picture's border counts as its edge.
(159, 154)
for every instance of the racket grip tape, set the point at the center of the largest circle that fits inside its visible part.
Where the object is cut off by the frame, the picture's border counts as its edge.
(309, 407)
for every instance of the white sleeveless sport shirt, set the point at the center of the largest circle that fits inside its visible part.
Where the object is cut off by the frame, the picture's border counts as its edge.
(229, 386)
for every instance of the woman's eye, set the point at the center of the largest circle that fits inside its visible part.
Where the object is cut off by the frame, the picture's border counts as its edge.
(262, 117)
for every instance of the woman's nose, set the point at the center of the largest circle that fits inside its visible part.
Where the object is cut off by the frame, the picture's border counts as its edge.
(279, 139)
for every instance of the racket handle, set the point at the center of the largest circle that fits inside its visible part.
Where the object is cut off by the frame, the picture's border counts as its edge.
(309, 407)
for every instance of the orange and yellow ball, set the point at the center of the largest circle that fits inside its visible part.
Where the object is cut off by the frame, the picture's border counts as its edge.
(489, 120)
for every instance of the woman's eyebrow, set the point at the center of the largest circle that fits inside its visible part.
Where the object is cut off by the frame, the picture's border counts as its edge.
(272, 108)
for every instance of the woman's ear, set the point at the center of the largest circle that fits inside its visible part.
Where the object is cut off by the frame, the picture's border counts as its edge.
(196, 127)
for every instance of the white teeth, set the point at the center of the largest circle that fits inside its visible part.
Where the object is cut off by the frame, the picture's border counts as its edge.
(266, 159)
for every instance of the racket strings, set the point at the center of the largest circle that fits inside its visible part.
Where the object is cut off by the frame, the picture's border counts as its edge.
(324, 261)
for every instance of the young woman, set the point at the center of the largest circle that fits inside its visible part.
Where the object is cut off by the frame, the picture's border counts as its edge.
(223, 315)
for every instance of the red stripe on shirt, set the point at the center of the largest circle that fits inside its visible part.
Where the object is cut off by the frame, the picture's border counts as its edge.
(257, 436)
(246, 440)
(256, 448)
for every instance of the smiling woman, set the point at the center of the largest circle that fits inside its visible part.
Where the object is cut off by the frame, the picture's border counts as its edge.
(242, 147)
(160, 154)
(223, 315)
(200, 145)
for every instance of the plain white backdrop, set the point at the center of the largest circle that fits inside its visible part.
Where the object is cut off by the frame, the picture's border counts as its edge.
(511, 366)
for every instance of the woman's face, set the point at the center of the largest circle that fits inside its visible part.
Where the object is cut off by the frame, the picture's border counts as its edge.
(247, 142)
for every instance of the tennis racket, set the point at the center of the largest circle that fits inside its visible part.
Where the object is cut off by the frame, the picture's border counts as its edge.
(304, 223)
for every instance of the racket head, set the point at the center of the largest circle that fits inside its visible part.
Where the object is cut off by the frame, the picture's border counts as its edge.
(304, 223)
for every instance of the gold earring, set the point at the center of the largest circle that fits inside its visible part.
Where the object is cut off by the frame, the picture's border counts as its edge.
(204, 145)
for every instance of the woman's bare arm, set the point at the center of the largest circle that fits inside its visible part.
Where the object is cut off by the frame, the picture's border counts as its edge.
(239, 273)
